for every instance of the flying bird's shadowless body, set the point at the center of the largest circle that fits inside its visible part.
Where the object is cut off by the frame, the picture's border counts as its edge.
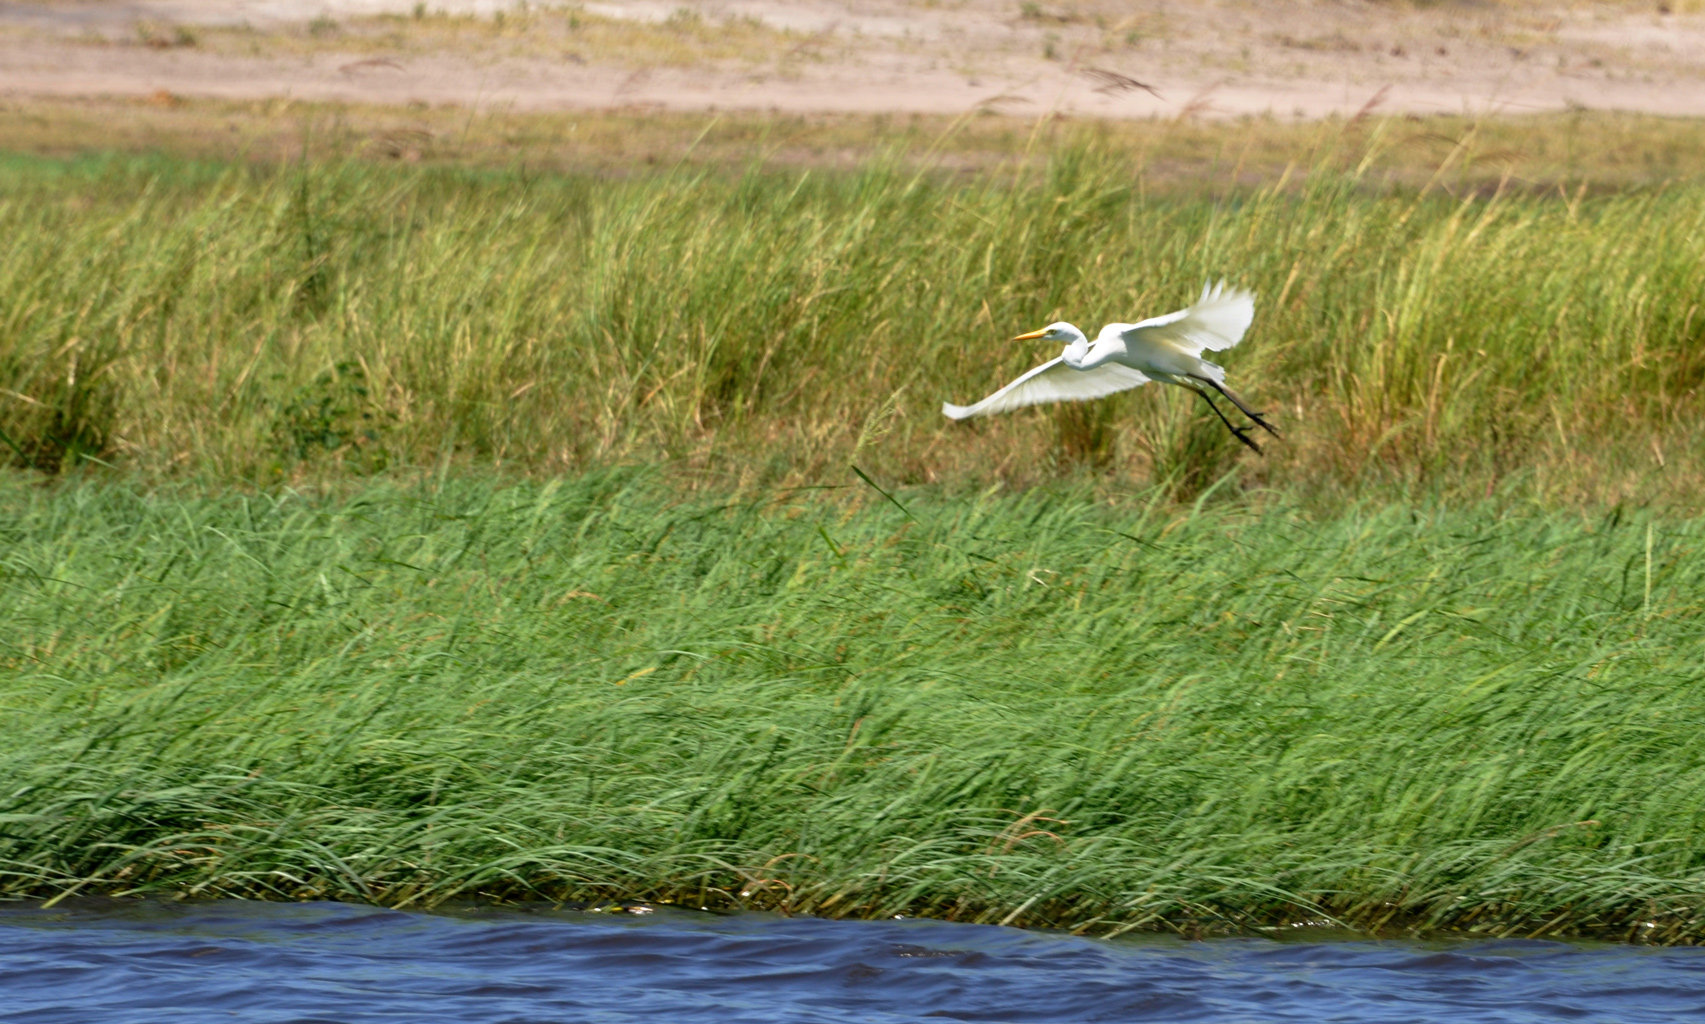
(1164, 348)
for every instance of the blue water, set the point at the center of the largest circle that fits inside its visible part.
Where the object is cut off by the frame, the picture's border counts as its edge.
(149, 961)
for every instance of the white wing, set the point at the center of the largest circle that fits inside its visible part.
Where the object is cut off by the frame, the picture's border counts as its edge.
(1053, 381)
(1217, 321)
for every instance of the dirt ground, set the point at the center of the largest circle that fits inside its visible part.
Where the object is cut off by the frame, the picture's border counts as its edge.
(1097, 58)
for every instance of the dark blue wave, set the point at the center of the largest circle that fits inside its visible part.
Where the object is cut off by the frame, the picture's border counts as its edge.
(92, 961)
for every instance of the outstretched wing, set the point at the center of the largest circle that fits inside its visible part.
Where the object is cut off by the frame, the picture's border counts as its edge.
(1216, 321)
(1053, 381)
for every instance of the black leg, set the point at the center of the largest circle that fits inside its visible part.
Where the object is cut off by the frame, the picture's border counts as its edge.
(1231, 396)
(1241, 433)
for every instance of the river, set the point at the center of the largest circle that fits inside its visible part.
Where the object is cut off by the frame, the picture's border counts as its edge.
(102, 961)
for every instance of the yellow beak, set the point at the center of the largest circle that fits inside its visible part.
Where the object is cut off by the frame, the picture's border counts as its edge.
(1031, 335)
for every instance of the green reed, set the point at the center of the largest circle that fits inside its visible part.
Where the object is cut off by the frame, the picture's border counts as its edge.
(1044, 709)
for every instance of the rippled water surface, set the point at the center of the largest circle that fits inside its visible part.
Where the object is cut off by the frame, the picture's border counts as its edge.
(102, 961)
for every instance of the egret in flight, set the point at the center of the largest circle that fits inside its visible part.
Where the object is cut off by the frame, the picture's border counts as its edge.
(1165, 348)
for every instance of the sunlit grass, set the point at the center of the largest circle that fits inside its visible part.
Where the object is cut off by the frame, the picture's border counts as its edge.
(1097, 704)
(1048, 709)
(280, 323)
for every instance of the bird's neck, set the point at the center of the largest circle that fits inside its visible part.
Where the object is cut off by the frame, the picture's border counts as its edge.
(1077, 351)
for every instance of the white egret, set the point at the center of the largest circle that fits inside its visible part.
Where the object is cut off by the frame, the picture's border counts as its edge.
(1165, 348)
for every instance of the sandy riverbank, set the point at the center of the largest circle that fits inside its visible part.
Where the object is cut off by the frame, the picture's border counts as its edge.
(1102, 59)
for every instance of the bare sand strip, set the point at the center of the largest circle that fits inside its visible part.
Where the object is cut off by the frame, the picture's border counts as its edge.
(1294, 59)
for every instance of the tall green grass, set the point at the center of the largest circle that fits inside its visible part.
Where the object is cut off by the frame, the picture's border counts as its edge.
(1044, 709)
(281, 323)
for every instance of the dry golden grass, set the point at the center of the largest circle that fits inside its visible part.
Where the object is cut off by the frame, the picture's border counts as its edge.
(1472, 334)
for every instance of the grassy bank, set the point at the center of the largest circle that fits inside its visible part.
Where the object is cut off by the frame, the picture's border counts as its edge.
(1047, 709)
(281, 323)
(348, 587)
(1609, 150)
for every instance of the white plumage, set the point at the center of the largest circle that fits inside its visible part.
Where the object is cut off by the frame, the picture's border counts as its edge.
(1164, 348)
